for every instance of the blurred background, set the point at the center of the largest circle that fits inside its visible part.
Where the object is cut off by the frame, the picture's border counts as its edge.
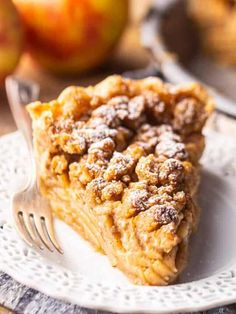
(67, 42)
(79, 42)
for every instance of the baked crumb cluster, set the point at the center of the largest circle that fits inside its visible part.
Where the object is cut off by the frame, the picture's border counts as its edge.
(132, 147)
(116, 145)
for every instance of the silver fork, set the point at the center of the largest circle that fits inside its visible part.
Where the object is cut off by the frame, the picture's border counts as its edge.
(31, 211)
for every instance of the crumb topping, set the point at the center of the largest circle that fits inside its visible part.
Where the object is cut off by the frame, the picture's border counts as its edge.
(165, 214)
(128, 142)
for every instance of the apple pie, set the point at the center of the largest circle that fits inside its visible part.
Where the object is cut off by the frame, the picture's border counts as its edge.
(118, 162)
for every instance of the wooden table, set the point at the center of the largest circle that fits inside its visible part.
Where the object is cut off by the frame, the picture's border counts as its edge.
(129, 55)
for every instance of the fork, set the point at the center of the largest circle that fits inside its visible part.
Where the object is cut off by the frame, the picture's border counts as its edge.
(31, 211)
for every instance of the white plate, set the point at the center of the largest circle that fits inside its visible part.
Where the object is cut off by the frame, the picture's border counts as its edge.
(84, 277)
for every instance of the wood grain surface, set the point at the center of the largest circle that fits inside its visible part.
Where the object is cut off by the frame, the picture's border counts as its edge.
(129, 55)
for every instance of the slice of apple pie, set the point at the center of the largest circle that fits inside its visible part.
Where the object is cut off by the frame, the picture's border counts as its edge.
(119, 163)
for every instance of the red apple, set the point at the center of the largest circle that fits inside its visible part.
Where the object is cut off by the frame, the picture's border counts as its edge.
(72, 36)
(11, 38)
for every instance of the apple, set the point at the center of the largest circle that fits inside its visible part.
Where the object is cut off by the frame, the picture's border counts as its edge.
(11, 38)
(72, 36)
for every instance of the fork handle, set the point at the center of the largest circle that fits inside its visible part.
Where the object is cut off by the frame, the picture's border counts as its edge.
(20, 93)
